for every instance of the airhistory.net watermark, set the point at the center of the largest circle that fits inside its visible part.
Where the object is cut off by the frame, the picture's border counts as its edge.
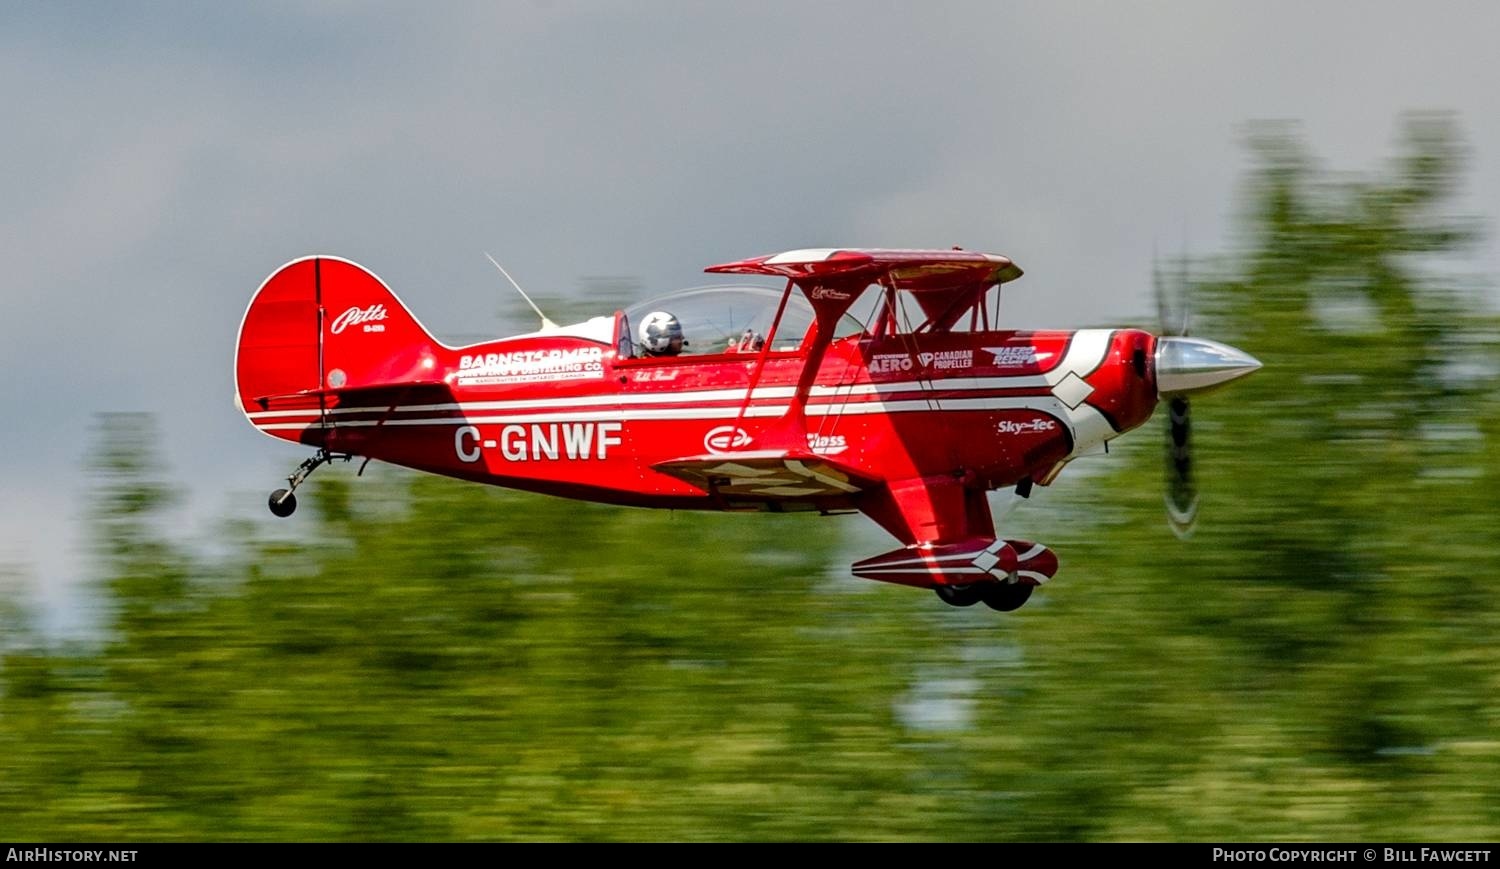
(67, 855)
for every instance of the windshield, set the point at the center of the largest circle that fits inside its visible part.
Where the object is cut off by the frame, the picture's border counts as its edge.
(722, 319)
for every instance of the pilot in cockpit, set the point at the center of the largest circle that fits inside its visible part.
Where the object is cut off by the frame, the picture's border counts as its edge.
(661, 334)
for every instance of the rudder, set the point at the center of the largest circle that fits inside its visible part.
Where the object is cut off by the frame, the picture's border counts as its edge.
(326, 323)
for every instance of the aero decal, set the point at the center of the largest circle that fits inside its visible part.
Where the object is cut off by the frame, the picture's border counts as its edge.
(941, 360)
(572, 442)
(890, 363)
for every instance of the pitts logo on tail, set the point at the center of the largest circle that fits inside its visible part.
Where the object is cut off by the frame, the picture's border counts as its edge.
(356, 316)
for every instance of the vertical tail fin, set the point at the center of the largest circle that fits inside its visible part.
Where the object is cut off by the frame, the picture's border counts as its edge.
(325, 323)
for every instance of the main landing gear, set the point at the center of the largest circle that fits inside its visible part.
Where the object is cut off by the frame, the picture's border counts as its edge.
(1002, 596)
(282, 502)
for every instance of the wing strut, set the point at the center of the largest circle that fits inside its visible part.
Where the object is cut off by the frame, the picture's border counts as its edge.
(830, 298)
(765, 351)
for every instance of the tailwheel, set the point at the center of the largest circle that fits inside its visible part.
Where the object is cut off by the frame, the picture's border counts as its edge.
(958, 595)
(282, 501)
(1006, 596)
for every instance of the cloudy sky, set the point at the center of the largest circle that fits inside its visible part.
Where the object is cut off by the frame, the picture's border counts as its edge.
(159, 160)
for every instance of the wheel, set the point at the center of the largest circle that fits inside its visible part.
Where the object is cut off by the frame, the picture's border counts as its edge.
(1006, 596)
(958, 595)
(282, 503)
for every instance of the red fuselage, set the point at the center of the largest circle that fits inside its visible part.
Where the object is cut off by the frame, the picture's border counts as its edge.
(569, 416)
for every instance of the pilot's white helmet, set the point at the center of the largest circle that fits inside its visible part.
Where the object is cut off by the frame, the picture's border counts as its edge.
(657, 331)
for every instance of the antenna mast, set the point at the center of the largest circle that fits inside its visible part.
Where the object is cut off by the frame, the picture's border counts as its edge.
(546, 323)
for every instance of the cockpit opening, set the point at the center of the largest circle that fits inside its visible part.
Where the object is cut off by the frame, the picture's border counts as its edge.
(722, 319)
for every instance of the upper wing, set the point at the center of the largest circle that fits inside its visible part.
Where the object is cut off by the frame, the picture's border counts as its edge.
(912, 270)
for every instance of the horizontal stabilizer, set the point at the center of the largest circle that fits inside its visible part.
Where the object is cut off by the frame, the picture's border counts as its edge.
(371, 395)
(768, 475)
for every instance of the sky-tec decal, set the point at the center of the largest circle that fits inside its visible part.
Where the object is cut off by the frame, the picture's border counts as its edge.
(1040, 424)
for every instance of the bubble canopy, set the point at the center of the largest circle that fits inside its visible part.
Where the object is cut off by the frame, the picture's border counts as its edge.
(718, 319)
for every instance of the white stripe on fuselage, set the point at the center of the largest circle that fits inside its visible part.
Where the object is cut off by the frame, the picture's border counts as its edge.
(964, 384)
(1086, 352)
(1041, 403)
(615, 415)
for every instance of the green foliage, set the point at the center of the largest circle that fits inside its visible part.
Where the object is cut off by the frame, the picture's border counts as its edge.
(1319, 661)
(441, 660)
(427, 659)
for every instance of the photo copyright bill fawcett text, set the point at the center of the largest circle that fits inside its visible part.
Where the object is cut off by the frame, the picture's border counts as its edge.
(1352, 855)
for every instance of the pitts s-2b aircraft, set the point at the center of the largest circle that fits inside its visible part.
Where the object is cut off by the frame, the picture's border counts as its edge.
(737, 398)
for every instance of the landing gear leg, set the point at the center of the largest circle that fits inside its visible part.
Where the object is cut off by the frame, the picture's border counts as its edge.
(282, 502)
(959, 595)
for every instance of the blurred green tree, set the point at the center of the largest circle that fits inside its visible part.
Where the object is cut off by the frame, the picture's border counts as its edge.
(436, 660)
(1319, 661)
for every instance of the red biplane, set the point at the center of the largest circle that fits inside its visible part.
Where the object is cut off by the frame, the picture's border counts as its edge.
(874, 380)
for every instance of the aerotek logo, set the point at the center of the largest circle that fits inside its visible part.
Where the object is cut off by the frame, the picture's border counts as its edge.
(1013, 357)
(357, 316)
(725, 438)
